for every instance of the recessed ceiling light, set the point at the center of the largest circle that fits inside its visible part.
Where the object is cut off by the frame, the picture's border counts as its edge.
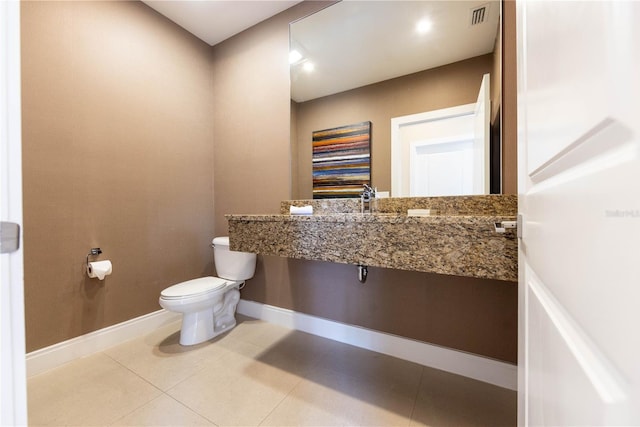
(308, 66)
(423, 26)
(294, 56)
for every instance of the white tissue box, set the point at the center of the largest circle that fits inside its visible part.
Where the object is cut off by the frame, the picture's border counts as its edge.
(301, 210)
(419, 212)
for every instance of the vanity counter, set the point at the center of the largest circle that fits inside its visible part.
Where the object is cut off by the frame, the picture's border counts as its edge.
(461, 245)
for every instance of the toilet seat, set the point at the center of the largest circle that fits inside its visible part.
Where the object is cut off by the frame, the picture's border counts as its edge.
(194, 288)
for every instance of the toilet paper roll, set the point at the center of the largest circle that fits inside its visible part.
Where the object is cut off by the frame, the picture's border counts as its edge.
(99, 269)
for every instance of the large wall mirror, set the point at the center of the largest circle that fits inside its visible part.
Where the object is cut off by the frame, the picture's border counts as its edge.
(360, 61)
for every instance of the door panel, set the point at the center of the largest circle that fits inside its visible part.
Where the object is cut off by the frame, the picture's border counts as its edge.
(595, 389)
(565, 91)
(579, 185)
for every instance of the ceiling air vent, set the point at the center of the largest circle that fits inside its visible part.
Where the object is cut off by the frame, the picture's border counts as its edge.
(478, 15)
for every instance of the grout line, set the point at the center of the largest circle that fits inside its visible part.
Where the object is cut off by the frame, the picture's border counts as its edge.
(281, 401)
(415, 401)
(135, 373)
(143, 379)
(165, 393)
(191, 409)
(185, 404)
(113, 423)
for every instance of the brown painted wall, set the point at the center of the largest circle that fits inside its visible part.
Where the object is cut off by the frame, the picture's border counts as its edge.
(473, 315)
(509, 99)
(442, 87)
(252, 121)
(252, 169)
(117, 151)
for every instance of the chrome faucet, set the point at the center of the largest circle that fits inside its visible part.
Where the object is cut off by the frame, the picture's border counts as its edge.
(368, 199)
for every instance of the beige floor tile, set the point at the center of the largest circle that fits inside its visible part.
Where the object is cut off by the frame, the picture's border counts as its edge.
(236, 354)
(447, 399)
(378, 370)
(297, 352)
(94, 390)
(160, 359)
(332, 399)
(309, 404)
(163, 411)
(336, 399)
(367, 401)
(236, 390)
(258, 332)
(379, 409)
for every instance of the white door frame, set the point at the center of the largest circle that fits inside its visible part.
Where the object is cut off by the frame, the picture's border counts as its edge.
(482, 141)
(13, 409)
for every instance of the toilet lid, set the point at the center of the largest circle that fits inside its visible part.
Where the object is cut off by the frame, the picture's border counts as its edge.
(194, 287)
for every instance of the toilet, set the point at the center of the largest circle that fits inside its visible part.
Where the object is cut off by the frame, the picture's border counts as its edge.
(208, 304)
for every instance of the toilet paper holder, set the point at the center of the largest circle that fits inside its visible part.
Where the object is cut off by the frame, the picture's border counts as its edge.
(93, 252)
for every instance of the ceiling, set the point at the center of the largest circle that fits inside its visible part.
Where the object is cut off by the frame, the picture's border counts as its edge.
(357, 43)
(216, 20)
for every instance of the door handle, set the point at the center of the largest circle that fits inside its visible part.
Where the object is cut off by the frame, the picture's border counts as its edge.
(503, 226)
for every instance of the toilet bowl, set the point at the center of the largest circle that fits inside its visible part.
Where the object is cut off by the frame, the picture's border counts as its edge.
(208, 304)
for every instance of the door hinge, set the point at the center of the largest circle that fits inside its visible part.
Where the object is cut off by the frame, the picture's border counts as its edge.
(520, 226)
(9, 237)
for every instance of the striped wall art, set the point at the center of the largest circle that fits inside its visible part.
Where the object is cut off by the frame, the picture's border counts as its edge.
(341, 161)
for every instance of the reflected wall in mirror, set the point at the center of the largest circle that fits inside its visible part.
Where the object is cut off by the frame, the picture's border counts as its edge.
(373, 61)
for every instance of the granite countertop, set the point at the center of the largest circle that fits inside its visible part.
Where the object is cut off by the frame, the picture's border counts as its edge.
(488, 204)
(392, 218)
(463, 245)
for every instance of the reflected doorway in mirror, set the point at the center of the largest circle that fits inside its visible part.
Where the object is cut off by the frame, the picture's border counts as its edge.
(443, 152)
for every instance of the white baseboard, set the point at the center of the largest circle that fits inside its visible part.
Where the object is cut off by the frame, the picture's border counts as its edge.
(469, 365)
(58, 354)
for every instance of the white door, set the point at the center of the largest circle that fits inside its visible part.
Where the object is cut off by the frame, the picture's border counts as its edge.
(441, 167)
(481, 140)
(579, 185)
(13, 407)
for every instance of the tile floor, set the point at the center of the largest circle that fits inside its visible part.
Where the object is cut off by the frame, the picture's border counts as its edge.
(259, 374)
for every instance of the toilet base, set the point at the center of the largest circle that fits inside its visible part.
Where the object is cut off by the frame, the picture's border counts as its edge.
(198, 332)
(196, 327)
(201, 326)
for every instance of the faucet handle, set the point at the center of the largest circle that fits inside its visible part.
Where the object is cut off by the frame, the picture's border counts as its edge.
(371, 192)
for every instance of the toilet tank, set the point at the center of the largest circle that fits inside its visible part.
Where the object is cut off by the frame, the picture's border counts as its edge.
(232, 265)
